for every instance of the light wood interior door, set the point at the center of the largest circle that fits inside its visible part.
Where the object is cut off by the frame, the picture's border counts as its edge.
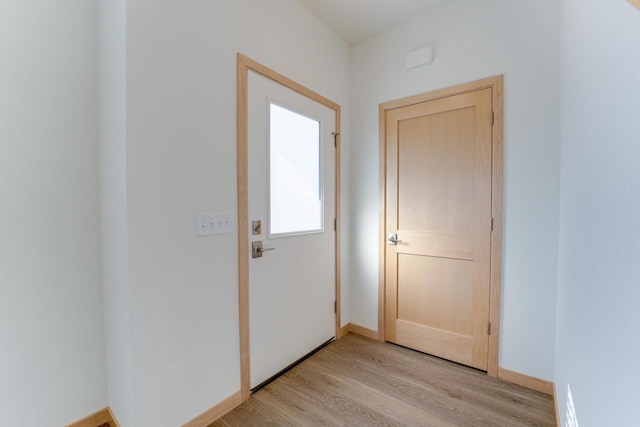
(438, 204)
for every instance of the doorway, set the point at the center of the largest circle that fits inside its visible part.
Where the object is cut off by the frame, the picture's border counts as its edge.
(441, 222)
(288, 221)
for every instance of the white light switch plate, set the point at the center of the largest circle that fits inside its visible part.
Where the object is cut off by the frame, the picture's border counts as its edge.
(209, 224)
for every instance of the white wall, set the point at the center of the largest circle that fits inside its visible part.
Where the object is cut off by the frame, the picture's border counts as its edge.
(181, 157)
(52, 365)
(475, 39)
(598, 340)
(113, 206)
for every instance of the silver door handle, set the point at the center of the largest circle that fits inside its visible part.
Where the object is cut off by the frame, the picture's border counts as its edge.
(392, 239)
(257, 250)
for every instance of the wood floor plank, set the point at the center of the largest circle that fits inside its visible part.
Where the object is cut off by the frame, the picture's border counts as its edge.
(357, 381)
(254, 412)
(309, 407)
(295, 406)
(375, 400)
(456, 380)
(431, 399)
(519, 405)
(323, 392)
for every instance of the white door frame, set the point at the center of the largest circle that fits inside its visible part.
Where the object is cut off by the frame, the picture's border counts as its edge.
(244, 65)
(496, 84)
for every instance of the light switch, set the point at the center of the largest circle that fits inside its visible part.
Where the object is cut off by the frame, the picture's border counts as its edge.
(204, 224)
(222, 224)
(209, 224)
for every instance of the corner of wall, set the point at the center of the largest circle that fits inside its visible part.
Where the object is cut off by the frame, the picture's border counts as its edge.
(113, 206)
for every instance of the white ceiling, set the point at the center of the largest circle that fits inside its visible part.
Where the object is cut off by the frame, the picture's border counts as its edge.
(355, 20)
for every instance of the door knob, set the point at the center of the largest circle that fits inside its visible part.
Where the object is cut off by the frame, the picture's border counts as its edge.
(392, 239)
(257, 250)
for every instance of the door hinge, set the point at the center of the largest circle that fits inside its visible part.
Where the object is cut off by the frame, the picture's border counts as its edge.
(489, 328)
(335, 224)
(335, 307)
(335, 138)
(491, 224)
(493, 118)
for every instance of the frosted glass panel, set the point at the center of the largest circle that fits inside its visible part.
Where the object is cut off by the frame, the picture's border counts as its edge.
(295, 180)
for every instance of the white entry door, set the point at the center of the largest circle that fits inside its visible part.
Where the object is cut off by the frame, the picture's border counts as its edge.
(291, 188)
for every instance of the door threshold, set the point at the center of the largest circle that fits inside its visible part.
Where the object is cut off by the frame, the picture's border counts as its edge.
(292, 365)
(444, 359)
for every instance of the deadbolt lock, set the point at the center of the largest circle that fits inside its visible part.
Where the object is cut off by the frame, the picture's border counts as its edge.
(256, 227)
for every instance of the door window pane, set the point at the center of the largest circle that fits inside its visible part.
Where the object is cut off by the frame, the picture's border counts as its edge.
(295, 179)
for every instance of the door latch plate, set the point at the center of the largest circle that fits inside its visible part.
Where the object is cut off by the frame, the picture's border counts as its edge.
(256, 249)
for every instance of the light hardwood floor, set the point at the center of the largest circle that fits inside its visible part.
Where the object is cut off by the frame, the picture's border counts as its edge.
(357, 381)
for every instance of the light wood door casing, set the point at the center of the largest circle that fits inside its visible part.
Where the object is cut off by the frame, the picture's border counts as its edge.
(438, 200)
